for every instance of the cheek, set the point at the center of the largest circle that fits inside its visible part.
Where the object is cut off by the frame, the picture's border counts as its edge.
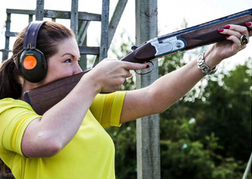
(55, 72)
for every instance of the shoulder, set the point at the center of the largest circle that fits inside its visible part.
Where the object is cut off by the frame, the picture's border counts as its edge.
(15, 116)
(10, 103)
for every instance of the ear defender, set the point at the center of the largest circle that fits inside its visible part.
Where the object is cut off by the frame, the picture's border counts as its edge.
(33, 65)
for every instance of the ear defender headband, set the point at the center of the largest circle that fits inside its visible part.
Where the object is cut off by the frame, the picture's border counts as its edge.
(33, 65)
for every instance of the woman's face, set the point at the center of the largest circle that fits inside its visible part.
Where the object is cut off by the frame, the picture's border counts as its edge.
(65, 62)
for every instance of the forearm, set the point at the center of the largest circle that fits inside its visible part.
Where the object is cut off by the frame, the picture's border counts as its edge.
(170, 88)
(176, 84)
(161, 94)
(64, 119)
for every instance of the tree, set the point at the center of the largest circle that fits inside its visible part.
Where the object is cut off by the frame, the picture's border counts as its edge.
(202, 138)
(206, 134)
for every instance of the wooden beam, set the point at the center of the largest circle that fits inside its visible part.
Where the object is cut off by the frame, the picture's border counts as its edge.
(58, 14)
(148, 149)
(67, 14)
(82, 34)
(20, 11)
(10, 34)
(116, 19)
(89, 50)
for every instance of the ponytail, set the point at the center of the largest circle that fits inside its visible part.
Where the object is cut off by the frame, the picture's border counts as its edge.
(10, 77)
(10, 82)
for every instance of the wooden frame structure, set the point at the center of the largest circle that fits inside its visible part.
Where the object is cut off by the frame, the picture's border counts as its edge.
(148, 154)
(79, 24)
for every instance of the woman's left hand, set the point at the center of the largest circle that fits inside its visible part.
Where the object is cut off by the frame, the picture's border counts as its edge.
(231, 46)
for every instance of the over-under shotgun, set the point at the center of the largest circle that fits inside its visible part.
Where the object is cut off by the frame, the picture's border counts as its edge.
(44, 97)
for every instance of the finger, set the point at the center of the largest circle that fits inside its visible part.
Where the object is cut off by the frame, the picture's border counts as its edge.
(134, 66)
(128, 74)
(237, 28)
(249, 25)
(236, 41)
(230, 32)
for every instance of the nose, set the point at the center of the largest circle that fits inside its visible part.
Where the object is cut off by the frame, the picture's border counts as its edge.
(77, 68)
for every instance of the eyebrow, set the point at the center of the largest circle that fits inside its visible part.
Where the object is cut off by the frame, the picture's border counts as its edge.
(68, 54)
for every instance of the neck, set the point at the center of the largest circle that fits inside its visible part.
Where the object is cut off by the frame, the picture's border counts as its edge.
(28, 86)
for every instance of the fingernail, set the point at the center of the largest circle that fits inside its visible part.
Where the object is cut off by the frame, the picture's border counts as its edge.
(220, 30)
(226, 26)
(248, 23)
(147, 66)
(227, 37)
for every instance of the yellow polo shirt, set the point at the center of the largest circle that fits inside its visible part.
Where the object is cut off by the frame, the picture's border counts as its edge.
(89, 155)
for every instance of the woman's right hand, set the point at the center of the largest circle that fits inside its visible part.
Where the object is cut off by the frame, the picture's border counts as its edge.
(110, 74)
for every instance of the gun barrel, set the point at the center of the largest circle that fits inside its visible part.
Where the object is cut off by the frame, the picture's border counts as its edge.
(203, 34)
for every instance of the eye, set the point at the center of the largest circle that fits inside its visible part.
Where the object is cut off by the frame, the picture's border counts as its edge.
(68, 61)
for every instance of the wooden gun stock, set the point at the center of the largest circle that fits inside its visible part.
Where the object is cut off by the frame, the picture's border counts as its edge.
(43, 98)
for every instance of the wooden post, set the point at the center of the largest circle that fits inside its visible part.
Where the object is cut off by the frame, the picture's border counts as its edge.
(108, 29)
(148, 149)
(39, 13)
(74, 17)
(7, 38)
(116, 19)
(30, 18)
(104, 30)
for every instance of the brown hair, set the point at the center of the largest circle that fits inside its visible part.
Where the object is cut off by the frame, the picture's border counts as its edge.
(50, 34)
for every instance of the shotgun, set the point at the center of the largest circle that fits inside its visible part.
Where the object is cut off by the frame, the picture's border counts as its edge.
(43, 98)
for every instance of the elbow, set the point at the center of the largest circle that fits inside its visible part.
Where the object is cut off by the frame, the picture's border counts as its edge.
(43, 145)
(52, 150)
(50, 146)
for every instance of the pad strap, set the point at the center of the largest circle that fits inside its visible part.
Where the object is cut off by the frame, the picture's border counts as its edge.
(30, 39)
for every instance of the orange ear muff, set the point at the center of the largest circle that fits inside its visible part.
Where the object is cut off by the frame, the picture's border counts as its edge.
(29, 62)
(32, 64)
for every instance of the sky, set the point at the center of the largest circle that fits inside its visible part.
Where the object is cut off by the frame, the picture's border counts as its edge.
(171, 14)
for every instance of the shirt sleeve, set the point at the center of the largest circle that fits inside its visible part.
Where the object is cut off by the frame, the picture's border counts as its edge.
(15, 116)
(107, 108)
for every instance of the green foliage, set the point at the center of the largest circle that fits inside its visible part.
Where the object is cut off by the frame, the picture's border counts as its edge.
(228, 112)
(125, 143)
(206, 134)
(170, 63)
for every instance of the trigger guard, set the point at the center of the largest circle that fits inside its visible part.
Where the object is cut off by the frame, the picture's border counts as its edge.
(140, 72)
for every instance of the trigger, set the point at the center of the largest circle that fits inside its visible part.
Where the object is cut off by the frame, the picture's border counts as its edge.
(146, 71)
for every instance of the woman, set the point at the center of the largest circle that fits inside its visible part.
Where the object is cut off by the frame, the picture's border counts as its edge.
(69, 141)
